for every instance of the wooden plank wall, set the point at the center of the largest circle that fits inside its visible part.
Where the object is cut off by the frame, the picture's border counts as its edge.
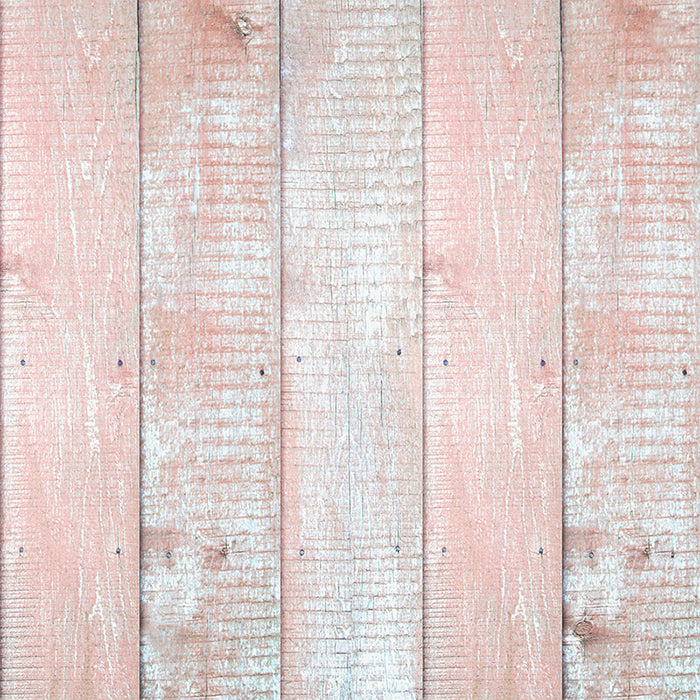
(352, 349)
(492, 350)
(632, 410)
(210, 349)
(336, 322)
(69, 561)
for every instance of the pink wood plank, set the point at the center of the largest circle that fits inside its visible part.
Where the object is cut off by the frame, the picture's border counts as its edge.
(351, 305)
(632, 409)
(69, 561)
(210, 353)
(492, 350)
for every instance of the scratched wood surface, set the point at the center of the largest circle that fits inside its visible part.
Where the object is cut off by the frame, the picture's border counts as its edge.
(632, 560)
(69, 561)
(210, 349)
(405, 386)
(492, 350)
(351, 349)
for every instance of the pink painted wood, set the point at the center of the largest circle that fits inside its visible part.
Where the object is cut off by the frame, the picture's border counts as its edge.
(632, 180)
(69, 561)
(492, 330)
(357, 342)
(352, 349)
(210, 332)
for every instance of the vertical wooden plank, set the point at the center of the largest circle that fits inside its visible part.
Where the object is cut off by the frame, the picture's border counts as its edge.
(351, 349)
(210, 340)
(492, 350)
(69, 350)
(632, 411)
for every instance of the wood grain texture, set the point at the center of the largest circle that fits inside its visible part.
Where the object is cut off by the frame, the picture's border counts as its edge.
(69, 559)
(351, 300)
(210, 338)
(492, 350)
(632, 560)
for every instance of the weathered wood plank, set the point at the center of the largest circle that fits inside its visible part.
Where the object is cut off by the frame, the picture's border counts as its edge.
(210, 346)
(351, 349)
(632, 410)
(492, 350)
(69, 492)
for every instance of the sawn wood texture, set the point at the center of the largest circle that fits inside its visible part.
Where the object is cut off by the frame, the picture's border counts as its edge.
(492, 333)
(314, 254)
(210, 349)
(69, 440)
(351, 349)
(632, 409)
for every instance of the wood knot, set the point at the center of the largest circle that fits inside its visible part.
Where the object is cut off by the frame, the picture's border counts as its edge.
(243, 26)
(583, 629)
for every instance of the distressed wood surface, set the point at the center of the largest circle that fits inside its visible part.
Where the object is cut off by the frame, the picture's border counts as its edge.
(69, 561)
(492, 350)
(351, 349)
(632, 560)
(210, 349)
